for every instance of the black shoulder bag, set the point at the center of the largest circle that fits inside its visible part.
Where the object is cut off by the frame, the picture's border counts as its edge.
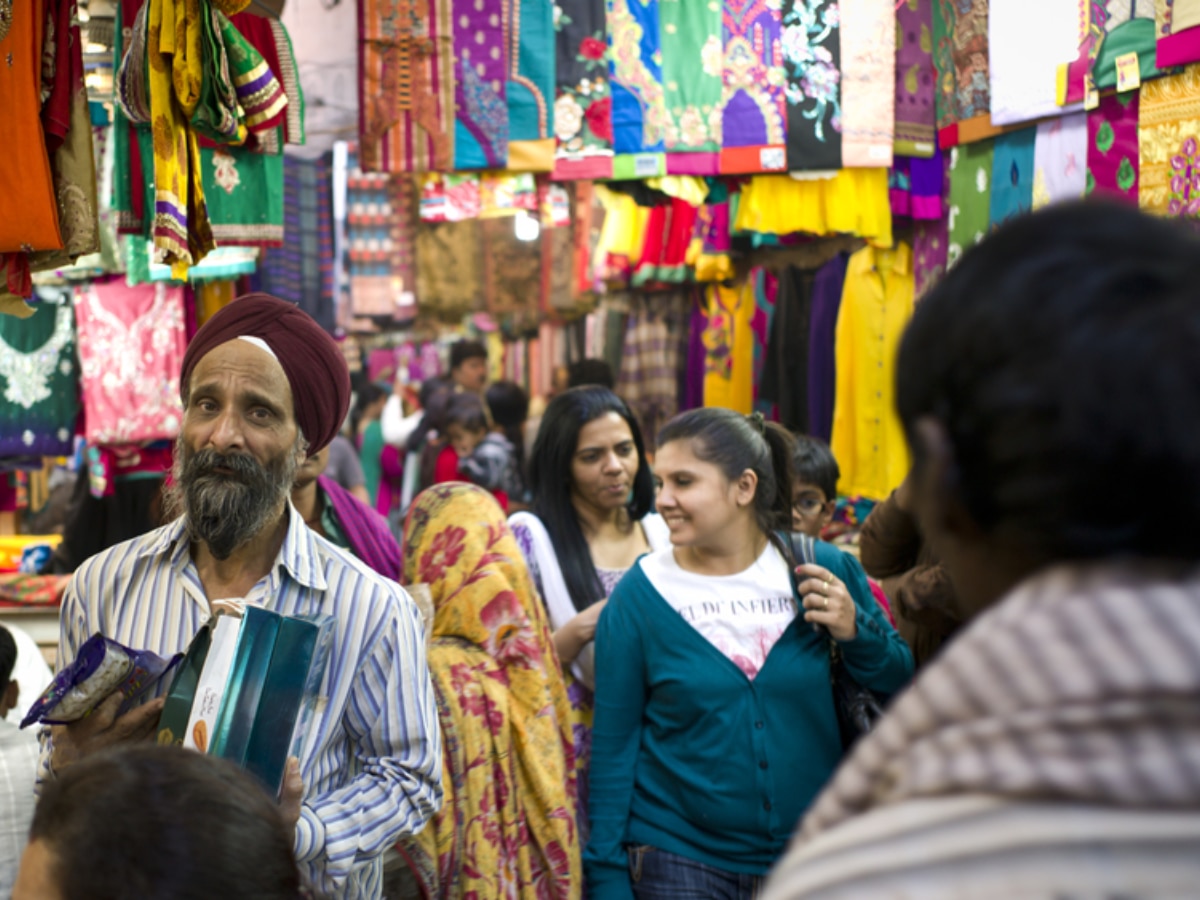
(858, 709)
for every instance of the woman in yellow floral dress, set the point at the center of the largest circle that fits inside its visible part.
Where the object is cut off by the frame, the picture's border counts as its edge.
(507, 829)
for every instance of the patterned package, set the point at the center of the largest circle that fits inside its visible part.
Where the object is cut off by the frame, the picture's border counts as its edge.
(103, 667)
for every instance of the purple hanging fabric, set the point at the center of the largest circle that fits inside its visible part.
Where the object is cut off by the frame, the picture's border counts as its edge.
(822, 371)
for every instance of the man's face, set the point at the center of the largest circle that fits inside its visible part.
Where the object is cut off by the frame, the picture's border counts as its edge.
(237, 454)
(471, 374)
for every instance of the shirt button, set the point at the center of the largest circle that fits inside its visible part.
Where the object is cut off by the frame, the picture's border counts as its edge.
(762, 764)
(758, 725)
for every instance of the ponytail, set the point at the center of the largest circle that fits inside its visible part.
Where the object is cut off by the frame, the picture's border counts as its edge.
(734, 443)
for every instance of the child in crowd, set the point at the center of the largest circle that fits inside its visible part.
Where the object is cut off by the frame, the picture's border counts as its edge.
(485, 456)
(815, 474)
(508, 405)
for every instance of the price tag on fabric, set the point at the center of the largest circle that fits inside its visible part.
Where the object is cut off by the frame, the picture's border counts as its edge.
(772, 159)
(1129, 75)
(645, 165)
(1091, 96)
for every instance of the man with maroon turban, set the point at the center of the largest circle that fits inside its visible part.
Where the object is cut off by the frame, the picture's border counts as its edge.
(263, 386)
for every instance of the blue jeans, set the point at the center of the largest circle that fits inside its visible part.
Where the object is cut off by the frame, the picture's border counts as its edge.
(659, 875)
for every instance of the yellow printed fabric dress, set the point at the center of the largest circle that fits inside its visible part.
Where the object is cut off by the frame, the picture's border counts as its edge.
(868, 440)
(729, 348)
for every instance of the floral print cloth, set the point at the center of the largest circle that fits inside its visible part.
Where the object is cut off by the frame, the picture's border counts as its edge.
(131, 344)
(693, 65)
(507, 826)
(1112, 147)
(812, 59)
(1169, 145)
(39, 383)
(868, 82)
(639, 111)
(960, 53)
(583, 123)
(915, 113)
(754, 111)
(480, 92)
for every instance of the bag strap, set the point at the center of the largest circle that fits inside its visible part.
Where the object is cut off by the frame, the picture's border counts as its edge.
(802, 550)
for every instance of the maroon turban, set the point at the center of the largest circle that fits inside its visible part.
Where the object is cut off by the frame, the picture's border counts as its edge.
(314, 365)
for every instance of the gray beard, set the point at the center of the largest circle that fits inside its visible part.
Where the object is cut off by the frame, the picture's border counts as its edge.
(226, 511)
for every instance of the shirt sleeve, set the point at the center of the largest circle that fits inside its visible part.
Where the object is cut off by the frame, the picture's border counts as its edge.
(889, 543)
(391, 720)
(877, 657)
(397, 427)
(616, 740)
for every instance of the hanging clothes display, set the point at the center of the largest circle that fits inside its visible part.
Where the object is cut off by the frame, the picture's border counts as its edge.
(480, 91)
(1012, 176)
(1177, 25)
(25, 178)
(243, 191)
(301, 271)
(709, 252)
(639, 112)
(853, 201)
(39, 384)
(407, 85)
(668, 234)
(753, 106)
(1060, 160)
(812, 60)
(930, 244)
(450, 267)
(1169, 145)
(784, 379)
(916, 116)
(960, 54)
(512, 270)
(868, 38)
(1093, 18)
(729, 346)
(766, 292)
(1134, 36)
(648, 378)
(693, 65)
(821, 376)
(970, 197)
(1112, 148)
(530, 90)
(131, 344)
(1024, 60)
(868, 440)
(212, 297)
(583, 113)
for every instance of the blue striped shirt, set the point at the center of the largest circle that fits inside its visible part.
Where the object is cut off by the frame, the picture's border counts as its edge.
(373, 768)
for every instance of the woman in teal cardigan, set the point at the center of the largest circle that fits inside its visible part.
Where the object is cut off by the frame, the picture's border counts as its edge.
(715, 726)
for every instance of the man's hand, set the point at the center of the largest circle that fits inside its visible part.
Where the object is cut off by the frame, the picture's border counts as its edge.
(102, 729)
(292, 794)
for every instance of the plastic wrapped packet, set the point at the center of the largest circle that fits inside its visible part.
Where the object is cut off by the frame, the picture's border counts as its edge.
(101, 668)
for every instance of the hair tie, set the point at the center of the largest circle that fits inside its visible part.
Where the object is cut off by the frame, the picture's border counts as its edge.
(757, 422)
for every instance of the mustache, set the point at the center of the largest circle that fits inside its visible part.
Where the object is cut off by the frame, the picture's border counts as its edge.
(238, 466)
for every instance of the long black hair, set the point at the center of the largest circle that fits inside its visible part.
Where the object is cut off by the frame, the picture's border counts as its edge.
(734, 443)
(550, 482)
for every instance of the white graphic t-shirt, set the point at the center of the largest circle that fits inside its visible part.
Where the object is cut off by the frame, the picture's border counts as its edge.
(742, 615)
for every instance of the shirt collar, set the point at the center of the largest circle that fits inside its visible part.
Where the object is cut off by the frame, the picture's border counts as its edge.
(298, 556)
(901, 257)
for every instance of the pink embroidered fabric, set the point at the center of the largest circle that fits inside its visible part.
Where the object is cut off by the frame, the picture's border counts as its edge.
(131, 345)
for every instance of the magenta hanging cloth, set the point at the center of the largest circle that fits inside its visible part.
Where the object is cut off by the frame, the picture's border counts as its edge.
(368, 533)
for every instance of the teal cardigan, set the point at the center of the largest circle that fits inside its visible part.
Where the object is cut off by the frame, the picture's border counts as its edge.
(692, 757)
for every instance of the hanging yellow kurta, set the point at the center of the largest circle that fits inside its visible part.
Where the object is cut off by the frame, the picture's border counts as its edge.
(854, 201)
(868, 440)
(175, 74)
(729, 346)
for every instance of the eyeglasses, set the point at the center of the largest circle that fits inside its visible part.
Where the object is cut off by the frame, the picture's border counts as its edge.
(808, 505)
